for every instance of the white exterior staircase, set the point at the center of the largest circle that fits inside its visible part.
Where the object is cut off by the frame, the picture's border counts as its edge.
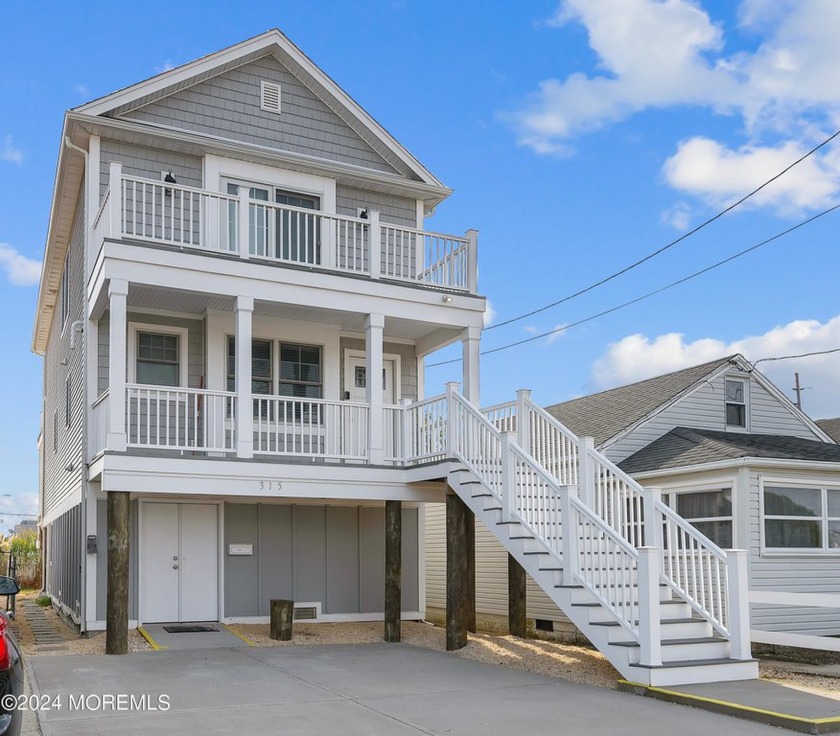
(661, 601)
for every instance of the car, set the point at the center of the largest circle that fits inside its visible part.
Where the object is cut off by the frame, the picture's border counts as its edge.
(11, 668)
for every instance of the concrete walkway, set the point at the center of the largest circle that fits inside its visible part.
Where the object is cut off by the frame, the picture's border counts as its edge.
(369, 689)
(221, 637)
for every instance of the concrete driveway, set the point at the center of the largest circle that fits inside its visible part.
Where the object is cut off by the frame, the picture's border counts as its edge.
(368, 689)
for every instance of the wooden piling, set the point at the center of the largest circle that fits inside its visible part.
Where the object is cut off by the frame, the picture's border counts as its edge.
(516, 598)
(116, 625)
(457, 575)
(393, 570)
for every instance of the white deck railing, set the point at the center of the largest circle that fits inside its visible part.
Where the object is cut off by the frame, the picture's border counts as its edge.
(310, 428)
(98, 435)
(189, 217)
(180, 418)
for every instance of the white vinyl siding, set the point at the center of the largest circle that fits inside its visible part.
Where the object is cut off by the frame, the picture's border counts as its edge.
(791, 571)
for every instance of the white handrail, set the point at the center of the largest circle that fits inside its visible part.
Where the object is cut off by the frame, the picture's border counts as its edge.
(431, 258)
(503, 416)
(427, 430)
(552, 444)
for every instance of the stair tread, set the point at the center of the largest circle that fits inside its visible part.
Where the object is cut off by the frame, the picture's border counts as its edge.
(672, 602)
(693, 663)
(675, 642)
(664, 622)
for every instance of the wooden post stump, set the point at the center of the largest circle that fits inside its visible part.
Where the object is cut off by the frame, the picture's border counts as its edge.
(516, 598)
(280, 619)
(457, 574)
(393, 570)
(116, 613)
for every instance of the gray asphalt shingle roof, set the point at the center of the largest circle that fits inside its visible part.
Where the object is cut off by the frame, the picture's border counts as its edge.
(831, 427)
(683, 446)
(605, 414)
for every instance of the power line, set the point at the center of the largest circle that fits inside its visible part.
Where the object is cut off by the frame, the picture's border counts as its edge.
(651, 293)
(799, 355)
(668, 245)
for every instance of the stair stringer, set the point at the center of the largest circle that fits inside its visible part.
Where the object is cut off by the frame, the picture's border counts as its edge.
(577, 603)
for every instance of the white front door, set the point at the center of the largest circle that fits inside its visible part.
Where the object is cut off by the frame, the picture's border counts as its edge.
(355, 379)
(179, 562)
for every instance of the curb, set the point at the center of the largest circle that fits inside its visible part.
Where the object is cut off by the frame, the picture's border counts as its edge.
(736, 710)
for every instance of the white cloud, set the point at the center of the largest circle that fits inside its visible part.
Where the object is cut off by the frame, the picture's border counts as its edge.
(165, 67)
(678, 216)
(719, 175)
(554, 333)
(669, 53)
(9, 153)
(637, 357)
(20, 270)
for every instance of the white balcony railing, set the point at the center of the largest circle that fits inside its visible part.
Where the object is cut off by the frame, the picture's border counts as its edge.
(188, 217)
(310, 428)
(180, 418)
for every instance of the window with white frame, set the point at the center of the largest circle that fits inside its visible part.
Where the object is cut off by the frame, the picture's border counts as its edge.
(736, 402)
(262, 373)
(709, 511)
(158, 358)
(805, 518)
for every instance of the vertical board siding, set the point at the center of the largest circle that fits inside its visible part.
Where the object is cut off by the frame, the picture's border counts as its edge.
(704, 408)
(64, 566)
(228, 106)
(60, 485)
(491, 567)
(408, 363)
(333, 555)
(148, 163)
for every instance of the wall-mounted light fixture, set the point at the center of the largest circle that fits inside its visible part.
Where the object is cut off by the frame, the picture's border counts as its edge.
(169, 179)
(446, 299)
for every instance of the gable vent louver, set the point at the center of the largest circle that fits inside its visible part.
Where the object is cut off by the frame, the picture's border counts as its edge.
(270, 97)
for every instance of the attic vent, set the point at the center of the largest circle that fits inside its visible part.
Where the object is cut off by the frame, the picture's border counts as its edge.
(270, 97)
(307, 613)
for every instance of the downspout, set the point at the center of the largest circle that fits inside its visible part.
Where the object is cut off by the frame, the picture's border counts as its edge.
(83, 520)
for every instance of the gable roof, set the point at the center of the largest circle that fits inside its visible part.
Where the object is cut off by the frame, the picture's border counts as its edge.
(608, 413)
(272, 42)
(684, 446)
(831, 427)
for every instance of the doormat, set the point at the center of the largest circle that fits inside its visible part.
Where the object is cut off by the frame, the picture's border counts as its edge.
(192, 629)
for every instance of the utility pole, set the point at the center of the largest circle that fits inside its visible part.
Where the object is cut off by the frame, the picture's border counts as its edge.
(798, 390)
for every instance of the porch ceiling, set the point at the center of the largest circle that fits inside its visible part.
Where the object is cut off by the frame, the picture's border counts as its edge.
(197, 303)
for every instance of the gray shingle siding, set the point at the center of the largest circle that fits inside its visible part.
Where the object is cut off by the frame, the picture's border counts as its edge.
(395, 210)
(195, 346)
(60, 361)
(228, 106)
(147, 163)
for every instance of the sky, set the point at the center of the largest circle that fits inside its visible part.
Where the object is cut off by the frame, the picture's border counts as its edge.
(579, 136)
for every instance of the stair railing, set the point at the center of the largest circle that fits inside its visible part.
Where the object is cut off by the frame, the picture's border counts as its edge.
(592, 553)
(709, 579)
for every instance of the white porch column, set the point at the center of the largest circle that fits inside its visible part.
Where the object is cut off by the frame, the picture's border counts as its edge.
(374, 329)
(471, 344)
(117, 297)
(244, 312)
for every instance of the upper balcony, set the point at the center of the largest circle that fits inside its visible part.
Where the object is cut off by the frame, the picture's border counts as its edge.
(283, 235)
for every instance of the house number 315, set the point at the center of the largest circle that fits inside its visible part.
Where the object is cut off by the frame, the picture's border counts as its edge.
(270, 485)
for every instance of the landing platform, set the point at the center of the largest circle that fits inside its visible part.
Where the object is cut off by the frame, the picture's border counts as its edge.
(754, 700)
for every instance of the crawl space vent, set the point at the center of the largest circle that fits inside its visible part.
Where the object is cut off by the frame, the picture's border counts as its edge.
(270, 97)
(307, 613)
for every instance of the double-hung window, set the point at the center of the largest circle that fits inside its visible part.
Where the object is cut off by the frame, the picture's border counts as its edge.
(736, 403)
(158, 358)
(801, 518)
(709, 511)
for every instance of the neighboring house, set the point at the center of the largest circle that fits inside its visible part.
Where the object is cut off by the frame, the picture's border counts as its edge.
(25, 526)
(233, 245)
(237, 296)
(732, 455)
(831, 427)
